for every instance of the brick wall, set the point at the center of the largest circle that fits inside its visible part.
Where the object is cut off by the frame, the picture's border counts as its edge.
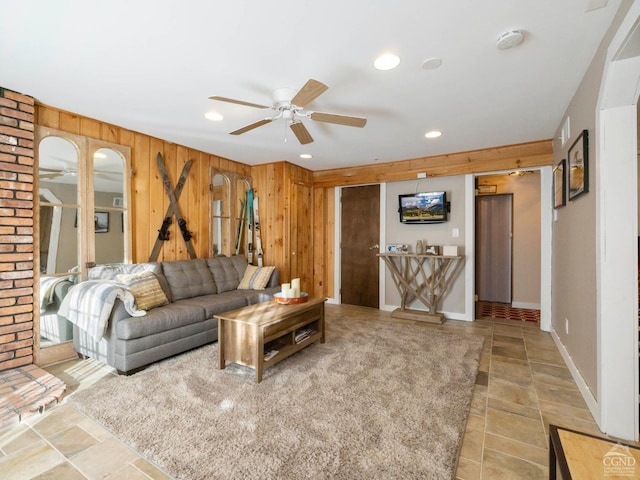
(16, 229)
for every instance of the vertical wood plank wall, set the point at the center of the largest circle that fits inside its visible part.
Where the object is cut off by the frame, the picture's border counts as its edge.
(273, 184)
(148, 198)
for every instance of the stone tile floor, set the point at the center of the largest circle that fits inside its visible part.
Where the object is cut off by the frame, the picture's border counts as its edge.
(523, 385)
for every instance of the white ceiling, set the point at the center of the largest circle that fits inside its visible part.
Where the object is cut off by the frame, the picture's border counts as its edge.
(150, 66)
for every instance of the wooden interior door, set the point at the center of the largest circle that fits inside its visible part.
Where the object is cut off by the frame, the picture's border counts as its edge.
(360, 242)
(494, 230)
(301, 235)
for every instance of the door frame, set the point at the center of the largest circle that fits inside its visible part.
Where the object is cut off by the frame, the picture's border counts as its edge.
(337, 238)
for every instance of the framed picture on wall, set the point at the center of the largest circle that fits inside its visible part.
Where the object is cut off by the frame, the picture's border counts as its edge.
(101, 222)
(560, 184)
(579, 166)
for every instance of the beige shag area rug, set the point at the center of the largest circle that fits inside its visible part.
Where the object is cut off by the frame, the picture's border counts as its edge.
(378, 400)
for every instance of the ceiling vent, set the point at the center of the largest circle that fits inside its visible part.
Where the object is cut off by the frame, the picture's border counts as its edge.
(510, 39)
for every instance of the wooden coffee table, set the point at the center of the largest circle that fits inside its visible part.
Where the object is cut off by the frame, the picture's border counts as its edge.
(246, 334)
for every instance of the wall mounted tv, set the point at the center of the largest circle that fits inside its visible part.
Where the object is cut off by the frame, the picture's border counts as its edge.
(426, 207)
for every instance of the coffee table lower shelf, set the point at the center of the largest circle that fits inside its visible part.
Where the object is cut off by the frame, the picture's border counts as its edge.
(246, 334)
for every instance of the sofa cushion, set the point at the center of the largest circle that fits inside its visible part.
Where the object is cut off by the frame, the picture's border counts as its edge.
(159, 320)
(189, 278)
(227, 271)
(255, 278)
(220, 302)
(145, 288)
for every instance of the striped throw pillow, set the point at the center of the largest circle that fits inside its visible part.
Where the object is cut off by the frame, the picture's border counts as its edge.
(145, 288)
(255, 278)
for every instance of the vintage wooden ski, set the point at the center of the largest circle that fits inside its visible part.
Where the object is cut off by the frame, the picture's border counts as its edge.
(240, 226)
(163, 233)
(250, 226)
(256, 225)
(175, 208)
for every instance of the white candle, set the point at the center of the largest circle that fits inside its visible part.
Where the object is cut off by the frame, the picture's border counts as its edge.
(295, 285)
(292, 293)
(285, 289)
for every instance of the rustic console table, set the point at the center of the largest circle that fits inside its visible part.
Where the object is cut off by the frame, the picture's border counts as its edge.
(420, 277)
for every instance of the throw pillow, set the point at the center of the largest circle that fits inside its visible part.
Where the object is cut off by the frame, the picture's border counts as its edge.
(255, 278)
(146, 289)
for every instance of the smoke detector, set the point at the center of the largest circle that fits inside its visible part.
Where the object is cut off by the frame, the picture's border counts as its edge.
(510, 39)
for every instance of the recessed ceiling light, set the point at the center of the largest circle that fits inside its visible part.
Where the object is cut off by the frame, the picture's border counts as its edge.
(213, 116)
(306, 155)
(433, 134)
(386, 61)
(431, 63)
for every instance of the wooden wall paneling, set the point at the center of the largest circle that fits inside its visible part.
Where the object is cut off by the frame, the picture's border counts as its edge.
(47, 117)
(201, 218)
(157, 206)
(110, 133)
(319, 236)
(188, 200)
(491, 159)
(329, 245)
(268, 183)
(70, 122)
(174, 247)
(143, 232)
(90, 128)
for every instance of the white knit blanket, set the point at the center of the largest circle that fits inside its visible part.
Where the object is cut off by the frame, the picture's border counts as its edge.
(89, 304)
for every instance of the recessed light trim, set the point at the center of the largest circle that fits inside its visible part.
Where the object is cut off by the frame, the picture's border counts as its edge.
(306, 156)
(213, 116)
(386, 61)
(433, 134)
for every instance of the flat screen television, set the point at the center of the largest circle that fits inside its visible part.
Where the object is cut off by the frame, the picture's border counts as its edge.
(426, 207)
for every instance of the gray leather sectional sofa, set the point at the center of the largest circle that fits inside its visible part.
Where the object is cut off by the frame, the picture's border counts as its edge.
(196, 289)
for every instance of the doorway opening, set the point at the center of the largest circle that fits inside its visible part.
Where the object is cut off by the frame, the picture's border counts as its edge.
(508, 245)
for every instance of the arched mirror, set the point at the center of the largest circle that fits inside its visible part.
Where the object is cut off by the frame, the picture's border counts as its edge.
(220, 220)
(228, 213)
(82, 220)
(109, 207)
(58, 174)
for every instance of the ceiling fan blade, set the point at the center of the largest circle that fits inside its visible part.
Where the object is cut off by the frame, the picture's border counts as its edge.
(311, 90)
(51, 175)
(109, 175)
(338, 119)
(237, 102)
(242, 130)
(301, 133)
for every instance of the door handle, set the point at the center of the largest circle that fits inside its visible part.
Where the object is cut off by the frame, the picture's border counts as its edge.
(376, 246)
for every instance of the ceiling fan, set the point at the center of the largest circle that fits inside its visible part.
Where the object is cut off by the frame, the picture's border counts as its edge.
(72, 172)
(289, 105)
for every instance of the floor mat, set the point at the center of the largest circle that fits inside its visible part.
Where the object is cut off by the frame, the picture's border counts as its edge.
(506, 311)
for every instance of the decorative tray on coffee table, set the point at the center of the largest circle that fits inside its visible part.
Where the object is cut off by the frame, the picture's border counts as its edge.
(280, 298)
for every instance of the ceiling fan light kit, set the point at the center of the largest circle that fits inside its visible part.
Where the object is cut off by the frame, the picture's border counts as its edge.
(289, 105)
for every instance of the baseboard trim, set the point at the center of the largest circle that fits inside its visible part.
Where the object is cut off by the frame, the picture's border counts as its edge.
(585, 391)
